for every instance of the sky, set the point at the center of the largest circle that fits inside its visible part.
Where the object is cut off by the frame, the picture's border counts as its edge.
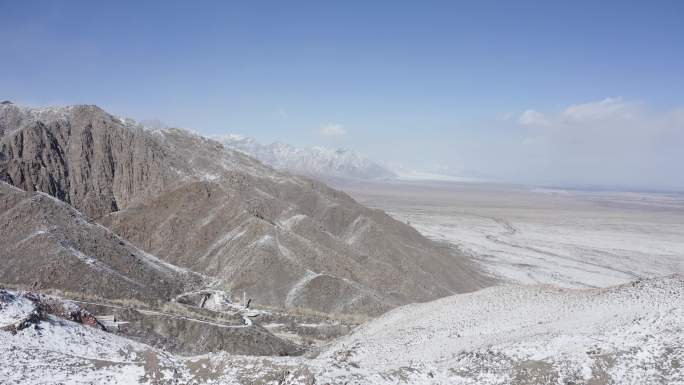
(548, 92)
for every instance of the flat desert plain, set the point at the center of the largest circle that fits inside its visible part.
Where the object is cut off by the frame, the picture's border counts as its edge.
(528, 235)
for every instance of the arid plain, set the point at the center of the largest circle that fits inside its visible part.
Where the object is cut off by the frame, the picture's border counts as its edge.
(521, 234)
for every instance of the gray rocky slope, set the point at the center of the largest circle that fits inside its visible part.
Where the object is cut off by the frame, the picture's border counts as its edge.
(285, 240)
(47, 244)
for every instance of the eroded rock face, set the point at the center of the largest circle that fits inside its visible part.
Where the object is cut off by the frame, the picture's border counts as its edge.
(284, 240)
(80, 155)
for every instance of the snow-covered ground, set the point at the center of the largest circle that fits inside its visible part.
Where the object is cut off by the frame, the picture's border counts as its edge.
(13, 309)
(630, 334)
(58, 351)
(525, 235)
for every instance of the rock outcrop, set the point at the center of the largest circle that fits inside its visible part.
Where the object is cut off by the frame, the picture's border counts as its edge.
(21, 310)
(82, 156)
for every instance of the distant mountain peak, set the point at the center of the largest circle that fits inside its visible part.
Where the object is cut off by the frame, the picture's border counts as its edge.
(317, 161)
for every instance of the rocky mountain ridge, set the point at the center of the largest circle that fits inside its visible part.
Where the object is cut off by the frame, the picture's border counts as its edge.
(285, 240)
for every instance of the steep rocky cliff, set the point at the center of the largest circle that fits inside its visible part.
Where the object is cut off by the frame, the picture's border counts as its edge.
(81, 155)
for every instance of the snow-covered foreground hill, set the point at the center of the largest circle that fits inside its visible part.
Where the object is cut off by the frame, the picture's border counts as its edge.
(629, 334)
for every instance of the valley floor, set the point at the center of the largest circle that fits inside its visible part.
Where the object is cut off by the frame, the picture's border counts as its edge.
(528, 235)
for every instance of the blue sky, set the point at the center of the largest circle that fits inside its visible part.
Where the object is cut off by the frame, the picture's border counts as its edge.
(429, 85)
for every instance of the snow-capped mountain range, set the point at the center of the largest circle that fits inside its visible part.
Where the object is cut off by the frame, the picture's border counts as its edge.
(312, 161)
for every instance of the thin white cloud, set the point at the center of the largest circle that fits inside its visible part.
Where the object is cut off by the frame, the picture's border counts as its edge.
(610, 142)
(609, 108)
(332, 130)
(282, 113)
(532, 118)
(506, 117)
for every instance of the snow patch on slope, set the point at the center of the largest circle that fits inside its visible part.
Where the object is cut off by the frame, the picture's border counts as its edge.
(14, 308)
(299, 286)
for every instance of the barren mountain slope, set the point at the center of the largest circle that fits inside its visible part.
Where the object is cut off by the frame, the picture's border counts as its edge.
(285, 240)
(47, 244)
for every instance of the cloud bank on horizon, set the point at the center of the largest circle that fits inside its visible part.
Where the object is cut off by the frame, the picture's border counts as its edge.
(609, 143)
